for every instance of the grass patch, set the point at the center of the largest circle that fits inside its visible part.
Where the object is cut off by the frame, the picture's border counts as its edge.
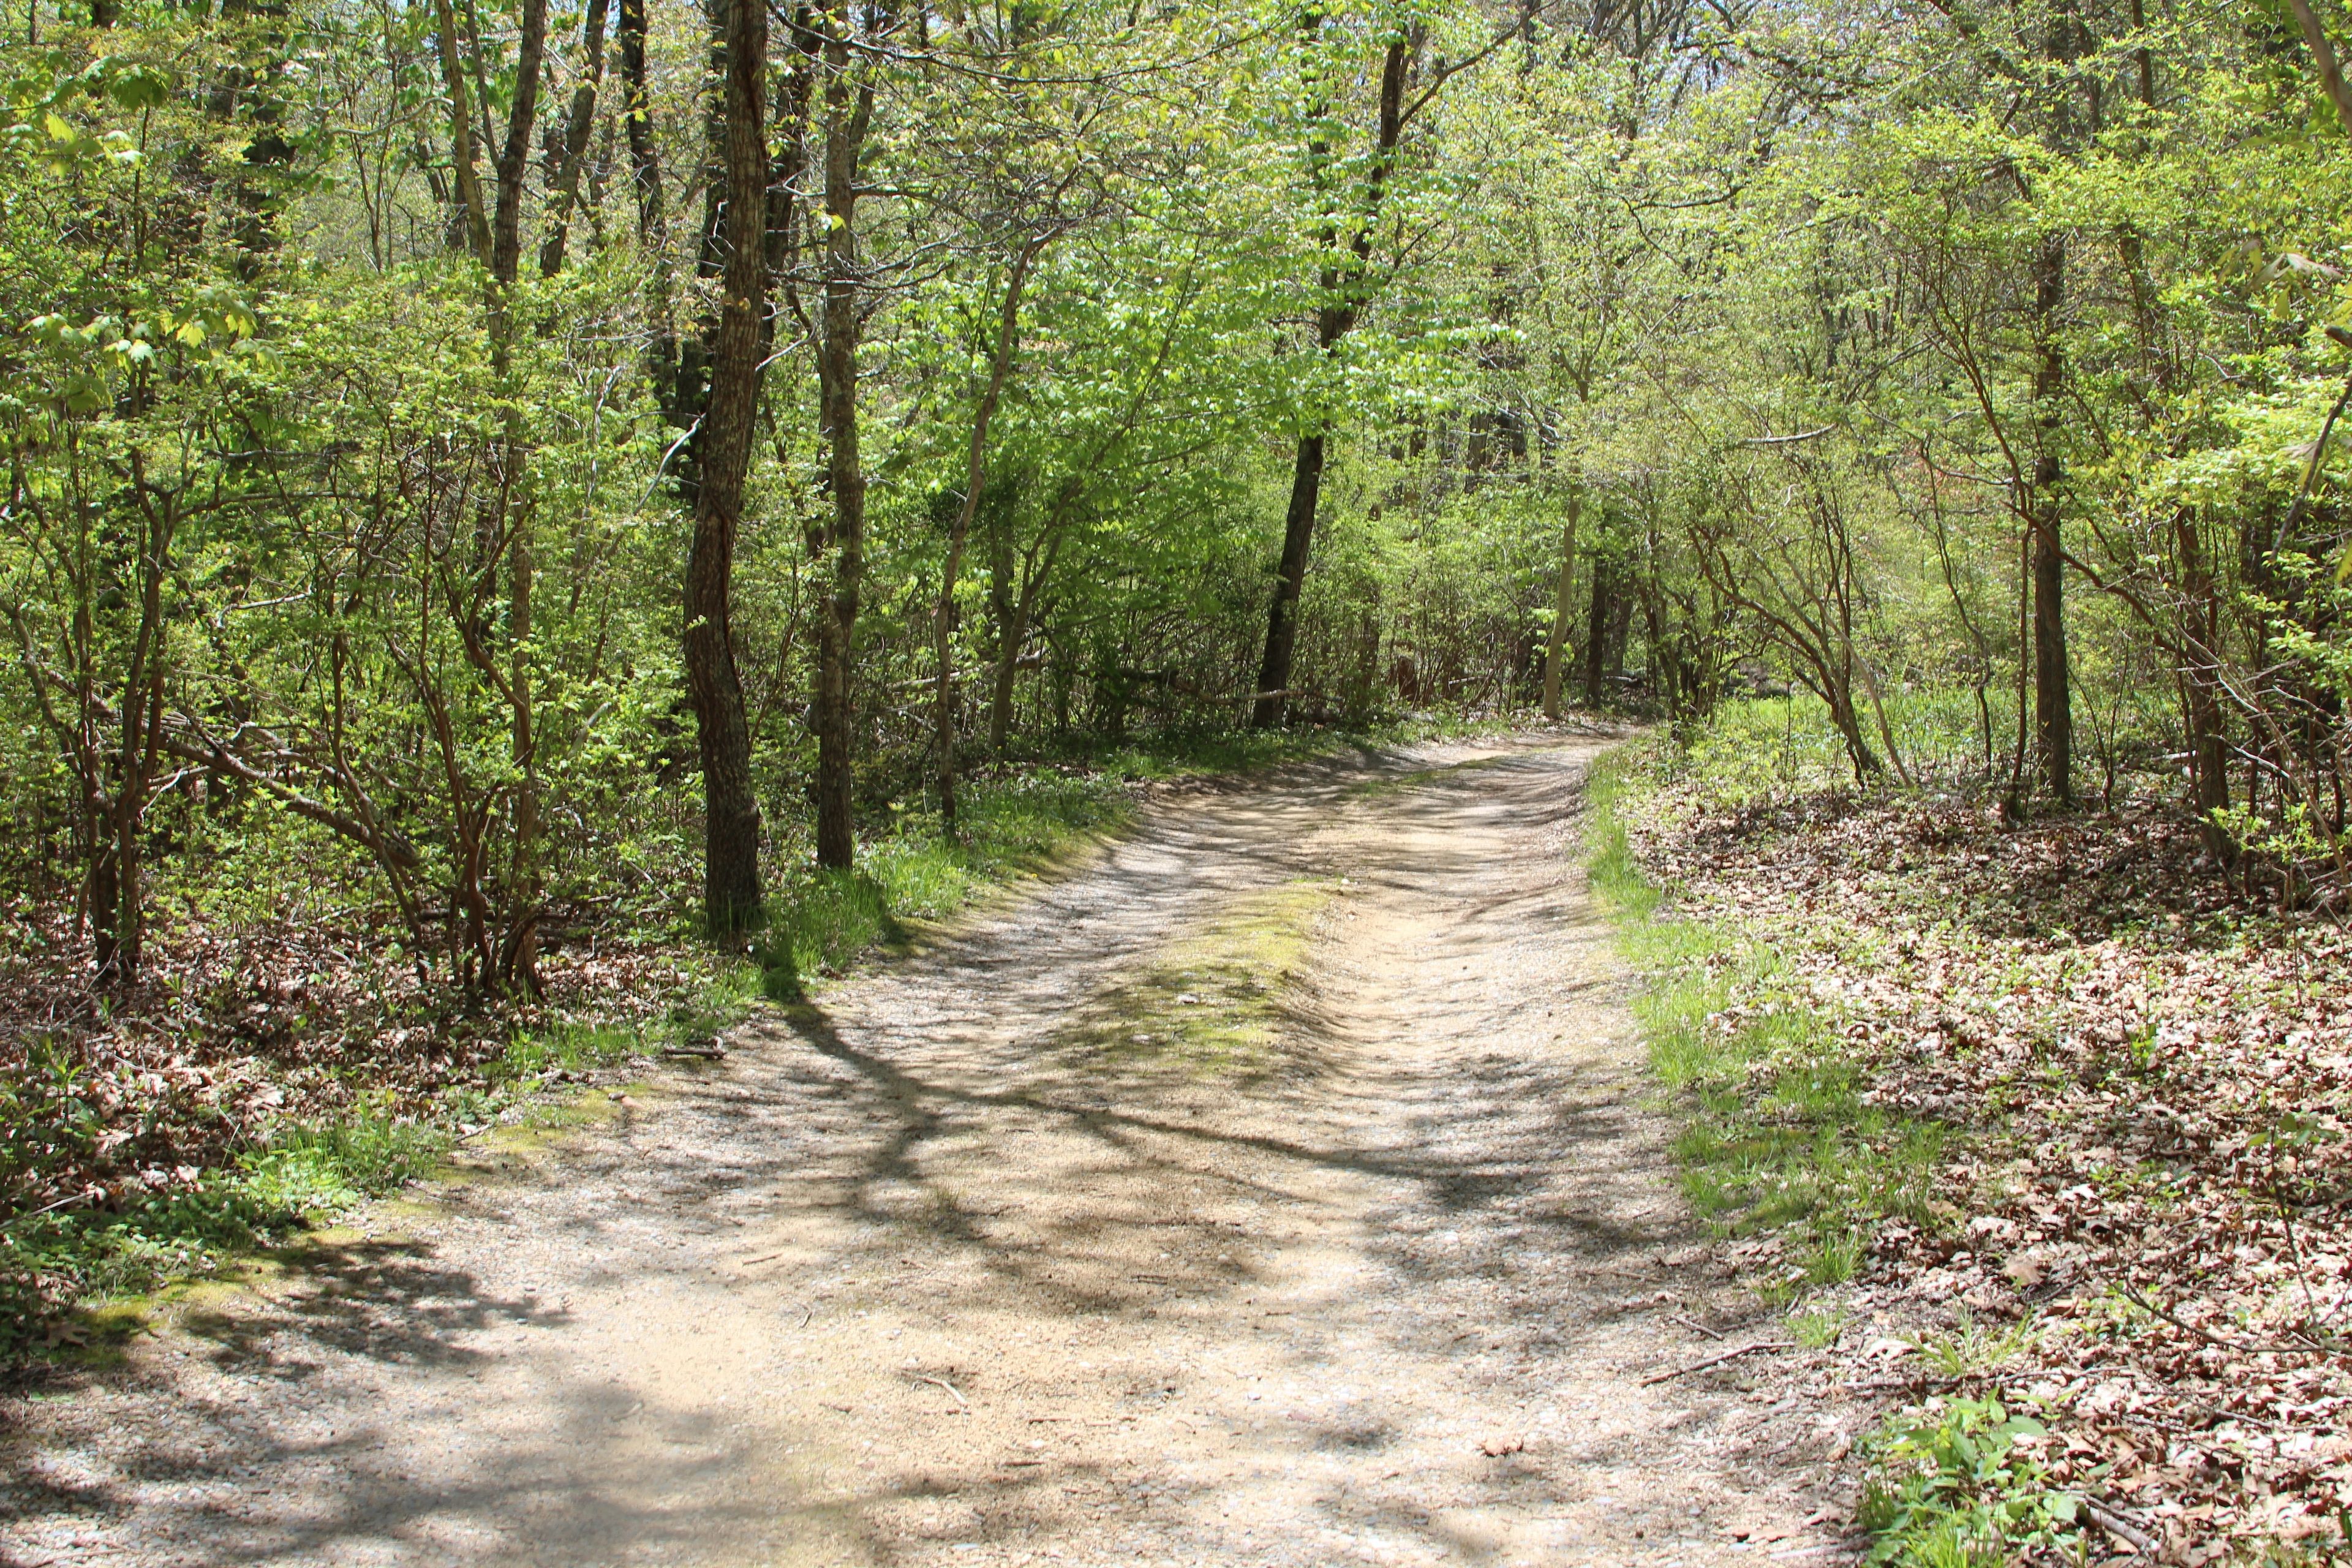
(1777, 1135)
(112, 1259)
(1214, 1004)
(1021, 822)
(916, 874)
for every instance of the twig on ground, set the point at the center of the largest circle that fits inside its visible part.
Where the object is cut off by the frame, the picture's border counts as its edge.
(2246, 1347)
(1695, 1327)
(2122, 1528)
(2218, 1414)
(961, 1403)
(1720, 1359)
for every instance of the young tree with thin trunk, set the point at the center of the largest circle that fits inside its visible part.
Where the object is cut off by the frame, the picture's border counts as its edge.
(944, 624)
(1344, 284)
(1563, 607)
(1343, 289)
(849, 98)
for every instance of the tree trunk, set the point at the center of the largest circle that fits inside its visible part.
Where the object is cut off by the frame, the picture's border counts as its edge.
(1563, 607)
(517, 959)
(579, 122)
(1596, 630)
(1842, 713)
(472, 214)
(975, 471)
(1289, 579)
(1343, 292)
(2209, 757)
(653, 213)
(2322, 56)
(848, 109)
(1003, 613)
(731, 877)
(514, 153)
(116, 902)
(1621, 628)
(2053, 717)
(1015, 612)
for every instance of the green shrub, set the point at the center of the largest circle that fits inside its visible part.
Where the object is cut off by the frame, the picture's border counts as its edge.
(303, 1174)
(1951, 1488)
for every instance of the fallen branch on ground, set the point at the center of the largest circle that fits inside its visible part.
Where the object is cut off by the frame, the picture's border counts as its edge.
(2122, 1528)
(1720, 1359)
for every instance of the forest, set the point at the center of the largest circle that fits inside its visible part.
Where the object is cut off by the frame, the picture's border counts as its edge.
(529, 528)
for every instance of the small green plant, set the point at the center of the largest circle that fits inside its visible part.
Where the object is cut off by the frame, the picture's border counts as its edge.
(1818, 1328)
(561, 1048)
(1973, 1348)
(1952, 1488)
(303, 1174)
(311, 1171)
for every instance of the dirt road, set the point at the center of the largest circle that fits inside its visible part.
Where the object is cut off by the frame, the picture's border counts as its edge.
(1277, 1189)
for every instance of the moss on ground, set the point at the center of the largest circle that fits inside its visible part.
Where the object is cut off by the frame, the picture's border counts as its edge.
(1221, 1002)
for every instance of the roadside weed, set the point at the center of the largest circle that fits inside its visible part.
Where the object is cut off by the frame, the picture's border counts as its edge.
(1973, 1348)
(1818, 1328)
(1953, 1487)
(302, 1174)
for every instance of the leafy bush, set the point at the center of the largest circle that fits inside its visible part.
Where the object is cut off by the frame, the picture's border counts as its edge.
(1954, 1489)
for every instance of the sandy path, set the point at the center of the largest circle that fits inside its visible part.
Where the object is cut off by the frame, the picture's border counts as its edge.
(1223, 1203)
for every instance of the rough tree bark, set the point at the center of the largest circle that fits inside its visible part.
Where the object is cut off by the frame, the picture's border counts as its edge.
(2053, 712)
(731, 874)
(653, 211)
(579, 122)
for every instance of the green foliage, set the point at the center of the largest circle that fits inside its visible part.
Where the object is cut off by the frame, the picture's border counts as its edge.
(1951, 1488)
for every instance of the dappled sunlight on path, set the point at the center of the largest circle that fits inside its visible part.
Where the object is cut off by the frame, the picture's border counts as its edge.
(1275, 1190)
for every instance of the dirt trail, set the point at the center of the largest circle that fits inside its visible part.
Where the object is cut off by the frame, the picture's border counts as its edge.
(1224, 1202)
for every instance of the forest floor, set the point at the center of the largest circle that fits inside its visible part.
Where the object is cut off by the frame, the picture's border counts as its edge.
(2044, 1122)
(1279, 1187)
